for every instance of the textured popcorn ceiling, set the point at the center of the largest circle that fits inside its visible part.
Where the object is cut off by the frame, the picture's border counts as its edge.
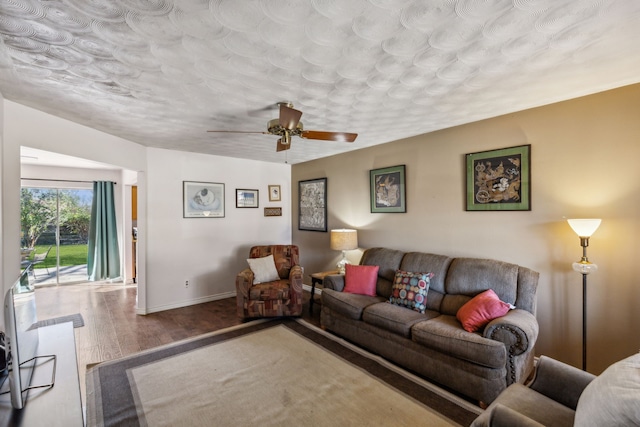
(163, 72)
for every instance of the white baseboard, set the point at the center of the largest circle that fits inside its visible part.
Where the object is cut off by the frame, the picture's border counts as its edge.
(187, 303)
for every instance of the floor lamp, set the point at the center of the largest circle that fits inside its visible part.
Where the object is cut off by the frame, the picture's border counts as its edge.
(584, 228)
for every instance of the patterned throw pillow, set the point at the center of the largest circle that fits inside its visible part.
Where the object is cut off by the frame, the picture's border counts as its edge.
(410, 290)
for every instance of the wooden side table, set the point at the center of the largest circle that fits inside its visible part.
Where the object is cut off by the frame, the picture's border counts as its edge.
(318, 279)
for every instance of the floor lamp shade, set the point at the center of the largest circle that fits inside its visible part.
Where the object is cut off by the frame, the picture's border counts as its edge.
(584, 227)
(344, 240)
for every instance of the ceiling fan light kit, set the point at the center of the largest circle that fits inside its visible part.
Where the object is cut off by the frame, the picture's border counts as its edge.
(288, 124)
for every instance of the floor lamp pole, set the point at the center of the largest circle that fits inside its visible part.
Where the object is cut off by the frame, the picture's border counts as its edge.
(584, 322)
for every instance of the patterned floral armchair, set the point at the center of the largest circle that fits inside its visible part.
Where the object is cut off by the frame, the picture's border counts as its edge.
(271, 299)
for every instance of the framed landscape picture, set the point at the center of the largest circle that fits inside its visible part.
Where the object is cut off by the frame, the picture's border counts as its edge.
(499, 180)
(388, 189)
(246, 198)
(202, 199)
(312, 205)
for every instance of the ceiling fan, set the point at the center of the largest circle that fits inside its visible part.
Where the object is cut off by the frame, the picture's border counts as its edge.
(289, 124)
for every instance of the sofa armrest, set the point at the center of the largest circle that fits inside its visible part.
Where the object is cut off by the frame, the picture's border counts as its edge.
(244, 281)
(518, 330)
(335, 282)
(559, 381)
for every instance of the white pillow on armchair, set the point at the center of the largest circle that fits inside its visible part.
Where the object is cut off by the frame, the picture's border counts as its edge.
(264, 269)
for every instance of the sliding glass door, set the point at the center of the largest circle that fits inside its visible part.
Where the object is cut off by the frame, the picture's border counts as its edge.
(54, 233)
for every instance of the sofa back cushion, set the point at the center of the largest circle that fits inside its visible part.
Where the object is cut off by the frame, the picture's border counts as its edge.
(389, 261)
(467, 277)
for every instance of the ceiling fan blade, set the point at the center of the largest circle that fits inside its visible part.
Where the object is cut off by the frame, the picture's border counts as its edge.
(329, 136)
(237, 131)
(289, 117)
(281, 146)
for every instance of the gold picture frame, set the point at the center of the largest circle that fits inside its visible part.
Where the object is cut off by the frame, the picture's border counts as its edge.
(274, 193)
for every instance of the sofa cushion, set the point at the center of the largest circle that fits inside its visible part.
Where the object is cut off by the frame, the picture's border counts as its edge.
(444, 334)
(348, 305)
(264, 269)
(437, 264)
(480, 310)
(394, 318)
(410, 290)
(612, 398)
(361, 279)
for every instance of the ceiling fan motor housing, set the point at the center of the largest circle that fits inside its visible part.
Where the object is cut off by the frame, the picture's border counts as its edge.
(274, 128)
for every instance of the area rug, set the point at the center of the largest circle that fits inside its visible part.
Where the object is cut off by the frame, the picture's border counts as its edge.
(267, 373)
(76, 319)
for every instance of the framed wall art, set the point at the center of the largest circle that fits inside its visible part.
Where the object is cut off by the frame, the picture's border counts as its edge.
(272, 211)
(388, 189)
(312, 205)
(202, 199)
(246, 198)
(274, 193)
(499, 180)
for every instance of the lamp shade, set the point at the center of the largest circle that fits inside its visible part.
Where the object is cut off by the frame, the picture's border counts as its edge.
(584, 227)
(344, 240)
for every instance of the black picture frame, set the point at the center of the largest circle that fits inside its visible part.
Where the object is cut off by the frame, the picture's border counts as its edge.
(312, 204)
(388, 190)
(247, 198)
(499, 180)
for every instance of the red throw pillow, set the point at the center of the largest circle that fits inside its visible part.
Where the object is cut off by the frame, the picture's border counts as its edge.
(481, 309)
(361, 279)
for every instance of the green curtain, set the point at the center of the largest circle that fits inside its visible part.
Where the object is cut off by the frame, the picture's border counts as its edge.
(103, 261)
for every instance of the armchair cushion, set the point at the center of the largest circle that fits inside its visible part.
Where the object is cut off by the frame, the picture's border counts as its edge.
(264, 269)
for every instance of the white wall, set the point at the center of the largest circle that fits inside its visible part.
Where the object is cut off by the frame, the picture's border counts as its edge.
(9, 215)
(172, 249)
(584, 164)
(208, 252)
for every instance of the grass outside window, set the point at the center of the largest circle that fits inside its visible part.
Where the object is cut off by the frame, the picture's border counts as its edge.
(69, 255)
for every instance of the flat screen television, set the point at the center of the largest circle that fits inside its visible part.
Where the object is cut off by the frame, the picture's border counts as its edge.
(21, 338)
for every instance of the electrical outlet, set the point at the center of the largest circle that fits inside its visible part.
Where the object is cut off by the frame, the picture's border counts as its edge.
(186, 284)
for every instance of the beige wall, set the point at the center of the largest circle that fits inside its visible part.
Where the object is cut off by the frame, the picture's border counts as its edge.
(584, 163)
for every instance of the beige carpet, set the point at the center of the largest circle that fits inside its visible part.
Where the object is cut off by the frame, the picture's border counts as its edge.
(272, 376)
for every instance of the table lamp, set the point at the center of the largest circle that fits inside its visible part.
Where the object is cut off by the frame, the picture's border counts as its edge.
(344, 240)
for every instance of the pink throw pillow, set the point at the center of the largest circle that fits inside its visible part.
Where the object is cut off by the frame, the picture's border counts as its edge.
(481, 309)
(361, 279)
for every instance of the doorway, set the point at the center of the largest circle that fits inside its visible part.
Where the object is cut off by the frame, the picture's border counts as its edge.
(54, 224)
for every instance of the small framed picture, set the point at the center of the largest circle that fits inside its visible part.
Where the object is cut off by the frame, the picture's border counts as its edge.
(246, 198)
(273, 211)
(202, 199)
(499, 180)
(388, 190)
(274, 193)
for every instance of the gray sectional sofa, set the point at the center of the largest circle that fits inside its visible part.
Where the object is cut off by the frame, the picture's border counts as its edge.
(434, 344)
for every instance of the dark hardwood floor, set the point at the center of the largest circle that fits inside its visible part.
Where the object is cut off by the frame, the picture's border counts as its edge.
(112, 329)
